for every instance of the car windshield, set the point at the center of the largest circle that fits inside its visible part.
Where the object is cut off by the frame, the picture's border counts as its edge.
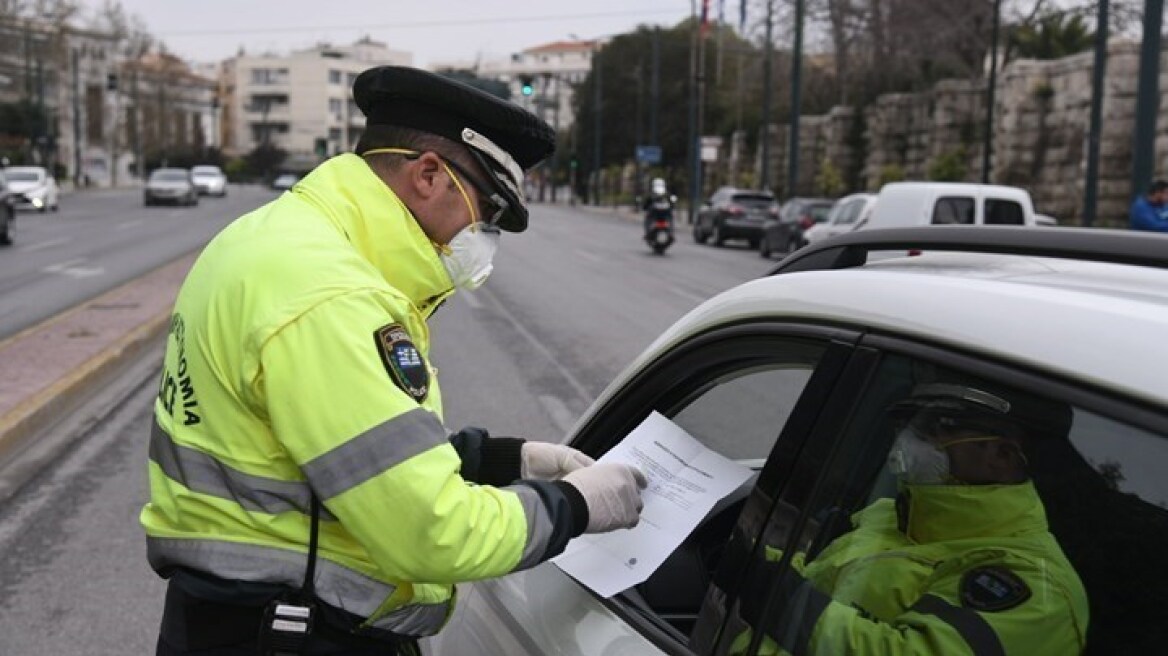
(23, 176)
(170, 176)
(818, 211)
(754, 200)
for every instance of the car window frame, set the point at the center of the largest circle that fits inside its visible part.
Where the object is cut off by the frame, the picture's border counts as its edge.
(874, 347)
(973, 203)
(629, 405)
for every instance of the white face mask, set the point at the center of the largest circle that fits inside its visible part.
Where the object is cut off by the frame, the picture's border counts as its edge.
(468, 257)
(916, 461)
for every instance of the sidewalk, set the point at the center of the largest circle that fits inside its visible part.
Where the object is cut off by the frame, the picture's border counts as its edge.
(49, 370)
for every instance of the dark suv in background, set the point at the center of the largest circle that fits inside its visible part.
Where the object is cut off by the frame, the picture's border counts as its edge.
(733, 213)
(784, 233)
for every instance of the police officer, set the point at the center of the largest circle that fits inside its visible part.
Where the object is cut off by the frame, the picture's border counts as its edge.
(961, 562)
(305, 496)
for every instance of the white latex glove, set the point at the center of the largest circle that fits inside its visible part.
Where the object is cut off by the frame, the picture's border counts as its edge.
(613, 494)
(544, 461)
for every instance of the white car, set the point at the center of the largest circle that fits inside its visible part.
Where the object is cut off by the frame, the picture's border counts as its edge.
(209, 180)
(173, 186)
(909, 204)
(39, 189)
(795, 374)
(847, 213)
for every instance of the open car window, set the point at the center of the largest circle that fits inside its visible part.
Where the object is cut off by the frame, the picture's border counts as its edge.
(736, 395)
(1047, 541)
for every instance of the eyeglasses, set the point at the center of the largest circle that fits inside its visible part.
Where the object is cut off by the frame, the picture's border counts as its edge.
(492, 207)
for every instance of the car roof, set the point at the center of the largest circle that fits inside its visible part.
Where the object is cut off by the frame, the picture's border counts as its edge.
(26, 169)
(169, 170)
(206, 168)
(1095, 322)
(976, 188)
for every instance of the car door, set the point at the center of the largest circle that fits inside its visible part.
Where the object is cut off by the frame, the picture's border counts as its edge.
(747, 391)
(846, 219)
(821, 565)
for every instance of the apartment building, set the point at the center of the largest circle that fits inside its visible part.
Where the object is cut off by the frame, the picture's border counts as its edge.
(301, 102)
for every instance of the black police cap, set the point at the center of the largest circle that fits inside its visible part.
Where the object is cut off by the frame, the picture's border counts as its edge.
(504, 137)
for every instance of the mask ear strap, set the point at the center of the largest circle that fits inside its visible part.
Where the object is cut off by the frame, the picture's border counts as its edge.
(390, 151)
(474, 214)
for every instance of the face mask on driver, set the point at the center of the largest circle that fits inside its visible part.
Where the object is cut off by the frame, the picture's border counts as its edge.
(916, 461)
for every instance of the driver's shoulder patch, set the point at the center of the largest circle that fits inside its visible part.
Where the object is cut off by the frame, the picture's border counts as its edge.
(403, 361)
(992, 588)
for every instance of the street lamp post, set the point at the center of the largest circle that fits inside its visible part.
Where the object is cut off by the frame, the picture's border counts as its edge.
(991, 92)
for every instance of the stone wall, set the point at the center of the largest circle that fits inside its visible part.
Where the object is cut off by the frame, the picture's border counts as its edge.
(1041, 117)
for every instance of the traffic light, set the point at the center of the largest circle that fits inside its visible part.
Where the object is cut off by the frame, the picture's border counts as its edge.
(526, 88)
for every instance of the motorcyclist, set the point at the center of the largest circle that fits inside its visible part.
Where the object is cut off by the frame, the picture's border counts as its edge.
(658, 204)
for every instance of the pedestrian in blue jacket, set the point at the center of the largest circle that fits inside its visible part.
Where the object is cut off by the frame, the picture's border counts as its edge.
(1149, 212)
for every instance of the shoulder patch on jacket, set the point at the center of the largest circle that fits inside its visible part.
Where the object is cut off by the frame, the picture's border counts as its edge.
(992, 589)
(403, 361)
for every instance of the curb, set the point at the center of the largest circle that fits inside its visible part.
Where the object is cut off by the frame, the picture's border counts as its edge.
(57, 402)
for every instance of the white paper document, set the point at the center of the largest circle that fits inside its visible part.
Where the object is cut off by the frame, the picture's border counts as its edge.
(685, 481)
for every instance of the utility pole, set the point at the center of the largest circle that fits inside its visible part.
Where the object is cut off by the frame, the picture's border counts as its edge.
(1147, 98)
(1091, 184)
(655, 86)
(796, 76)
(556, 127)
(699, 120)
(991, 93)
(693, 153)
(764, 181)
(597, 106)
(76, 120)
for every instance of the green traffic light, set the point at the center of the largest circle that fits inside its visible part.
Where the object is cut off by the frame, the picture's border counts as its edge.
(527, 89)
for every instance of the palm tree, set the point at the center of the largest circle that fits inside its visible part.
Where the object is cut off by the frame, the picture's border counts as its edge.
(1055, 35)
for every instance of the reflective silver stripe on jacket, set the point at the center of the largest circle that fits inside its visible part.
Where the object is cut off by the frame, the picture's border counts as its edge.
(202, 473)
(336, 585)
(377, 450)
(539, 526)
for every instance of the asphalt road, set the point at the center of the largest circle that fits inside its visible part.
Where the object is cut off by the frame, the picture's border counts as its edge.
(97, 240)
(570, 303)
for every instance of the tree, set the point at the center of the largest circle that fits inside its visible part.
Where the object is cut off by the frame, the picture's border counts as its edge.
(1054, 36)
(265, 160)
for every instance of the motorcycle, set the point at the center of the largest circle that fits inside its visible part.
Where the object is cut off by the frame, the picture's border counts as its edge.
(659, 225)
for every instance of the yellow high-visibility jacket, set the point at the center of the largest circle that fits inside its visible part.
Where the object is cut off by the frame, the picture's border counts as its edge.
(278, 384)
(950, 569)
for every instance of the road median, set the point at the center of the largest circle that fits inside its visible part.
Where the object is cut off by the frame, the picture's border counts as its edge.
(49, 371)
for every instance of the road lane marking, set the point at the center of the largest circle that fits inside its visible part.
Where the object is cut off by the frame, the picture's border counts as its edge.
(689, 295)
(561, 416)
(589, 255)
(585, 395)
(469, 297)
(72, 269)
(128, 224)
(48, 243)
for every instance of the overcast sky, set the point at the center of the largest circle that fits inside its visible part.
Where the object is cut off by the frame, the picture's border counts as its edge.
(439, 30)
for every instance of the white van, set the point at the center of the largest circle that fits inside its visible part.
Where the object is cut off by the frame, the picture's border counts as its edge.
(911, 204)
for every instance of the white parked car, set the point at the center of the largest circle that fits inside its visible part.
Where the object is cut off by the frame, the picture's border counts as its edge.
(209, 180)
(34, 183)
(908, 204)
(847, 213)
(795, 374)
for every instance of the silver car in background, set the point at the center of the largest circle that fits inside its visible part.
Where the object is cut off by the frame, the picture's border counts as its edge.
(209, 180)
(173, 186)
